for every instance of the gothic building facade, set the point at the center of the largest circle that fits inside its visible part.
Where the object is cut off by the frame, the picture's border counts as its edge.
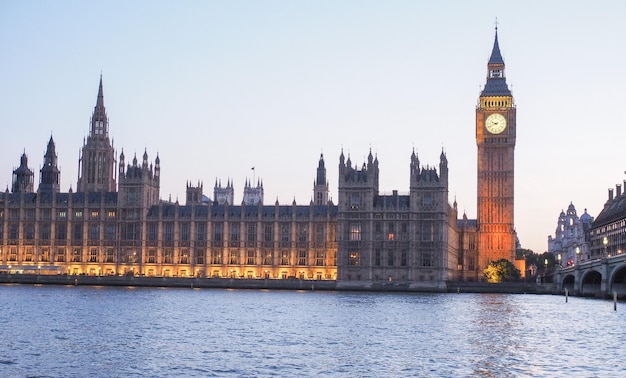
(571, 242)
(116, 223)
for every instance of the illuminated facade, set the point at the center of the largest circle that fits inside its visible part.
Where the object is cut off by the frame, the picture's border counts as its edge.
(116, 223)
(495, 138)
(100, 231)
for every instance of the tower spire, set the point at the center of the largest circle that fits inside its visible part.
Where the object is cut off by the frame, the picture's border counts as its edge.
(496, 79)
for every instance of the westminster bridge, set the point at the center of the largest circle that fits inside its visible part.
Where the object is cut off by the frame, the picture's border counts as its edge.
(599, 277)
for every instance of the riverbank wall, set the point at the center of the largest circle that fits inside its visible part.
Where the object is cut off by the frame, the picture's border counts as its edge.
(271, 284)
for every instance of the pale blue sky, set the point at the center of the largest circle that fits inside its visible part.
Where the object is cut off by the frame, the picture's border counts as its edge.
(217, 87)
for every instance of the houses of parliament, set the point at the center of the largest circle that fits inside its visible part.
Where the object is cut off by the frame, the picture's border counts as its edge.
(115, 223)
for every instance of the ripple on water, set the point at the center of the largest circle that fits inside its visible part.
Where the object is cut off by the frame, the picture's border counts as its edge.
(82, 331)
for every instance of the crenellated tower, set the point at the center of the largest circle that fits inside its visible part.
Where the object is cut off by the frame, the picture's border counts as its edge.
(320, 185)
(357, 187)
(429, 188)
(253, 195)
(194, 194)
(495, 138)
(139, 184)
(223, 195)
(49, 181)
(96, 164)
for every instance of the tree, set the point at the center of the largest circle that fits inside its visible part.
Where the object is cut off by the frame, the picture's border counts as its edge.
(500, 271)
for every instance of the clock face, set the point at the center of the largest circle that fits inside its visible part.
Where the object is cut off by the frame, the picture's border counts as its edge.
(495, 123)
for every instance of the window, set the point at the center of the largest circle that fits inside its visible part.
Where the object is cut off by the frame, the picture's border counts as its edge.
(76, 255)
(285, 231)
(251, 232)
(319, 233)
(353, 259)
(377, 258)
(152, 256)
(110, 255)
(44, 231)
(267, 257)
(132, 231)
(93, 255)
(168, 255)
(184, 231)
(169, 231)
(390, 258)
(111, 214)
(268, 232)
(153, 229)
(426, 259)
(184, 256)
(131, 256)
(303, 232)
(94, 232)
(61, 231)
(29, 254)
(110, 231)
(216, 256)
(199, 256)
(45, 254)
(355, 232)
(60, 257)
(13, 254)
(14, 231)
(201, 231)
(62, 214)
(319, 258)
(94, 214)
(234, 257)
(355, 201)
(284, 257)
(218, 231)
(77, 233)
(403, 258)
(29, 231)
(302, 257)
(234, 232)
(78, 214)
(251, 258)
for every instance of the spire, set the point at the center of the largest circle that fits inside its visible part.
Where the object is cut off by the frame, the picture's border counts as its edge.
(99, 121)
(49, 178)
(496, 57)
(496, 79)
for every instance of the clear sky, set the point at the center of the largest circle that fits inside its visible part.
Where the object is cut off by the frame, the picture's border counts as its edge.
(219, 87)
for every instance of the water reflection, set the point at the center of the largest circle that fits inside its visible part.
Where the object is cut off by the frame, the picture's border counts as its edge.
(82, 331)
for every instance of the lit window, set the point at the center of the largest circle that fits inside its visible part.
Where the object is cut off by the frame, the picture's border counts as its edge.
(355, 232)
(354, 259)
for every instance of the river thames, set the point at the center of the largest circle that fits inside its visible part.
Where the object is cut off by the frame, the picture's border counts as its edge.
(68, 331)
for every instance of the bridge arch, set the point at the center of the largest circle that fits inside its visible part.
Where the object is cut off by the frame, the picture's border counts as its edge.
(569, 283)
(617, 281)
(591, 283)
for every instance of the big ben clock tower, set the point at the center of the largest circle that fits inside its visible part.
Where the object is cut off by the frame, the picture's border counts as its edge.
(495, 138)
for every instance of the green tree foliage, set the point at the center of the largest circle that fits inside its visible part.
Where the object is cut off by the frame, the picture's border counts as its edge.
(500, 271)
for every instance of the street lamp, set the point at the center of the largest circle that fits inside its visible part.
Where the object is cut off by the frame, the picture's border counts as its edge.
(577, 254)
(605, 242)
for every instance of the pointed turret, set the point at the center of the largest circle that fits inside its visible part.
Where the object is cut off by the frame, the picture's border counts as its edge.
(320, 186)
(50, 173)
(496, 79)
(23, 177)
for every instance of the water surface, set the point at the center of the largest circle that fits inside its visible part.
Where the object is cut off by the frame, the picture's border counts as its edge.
(67, 331)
